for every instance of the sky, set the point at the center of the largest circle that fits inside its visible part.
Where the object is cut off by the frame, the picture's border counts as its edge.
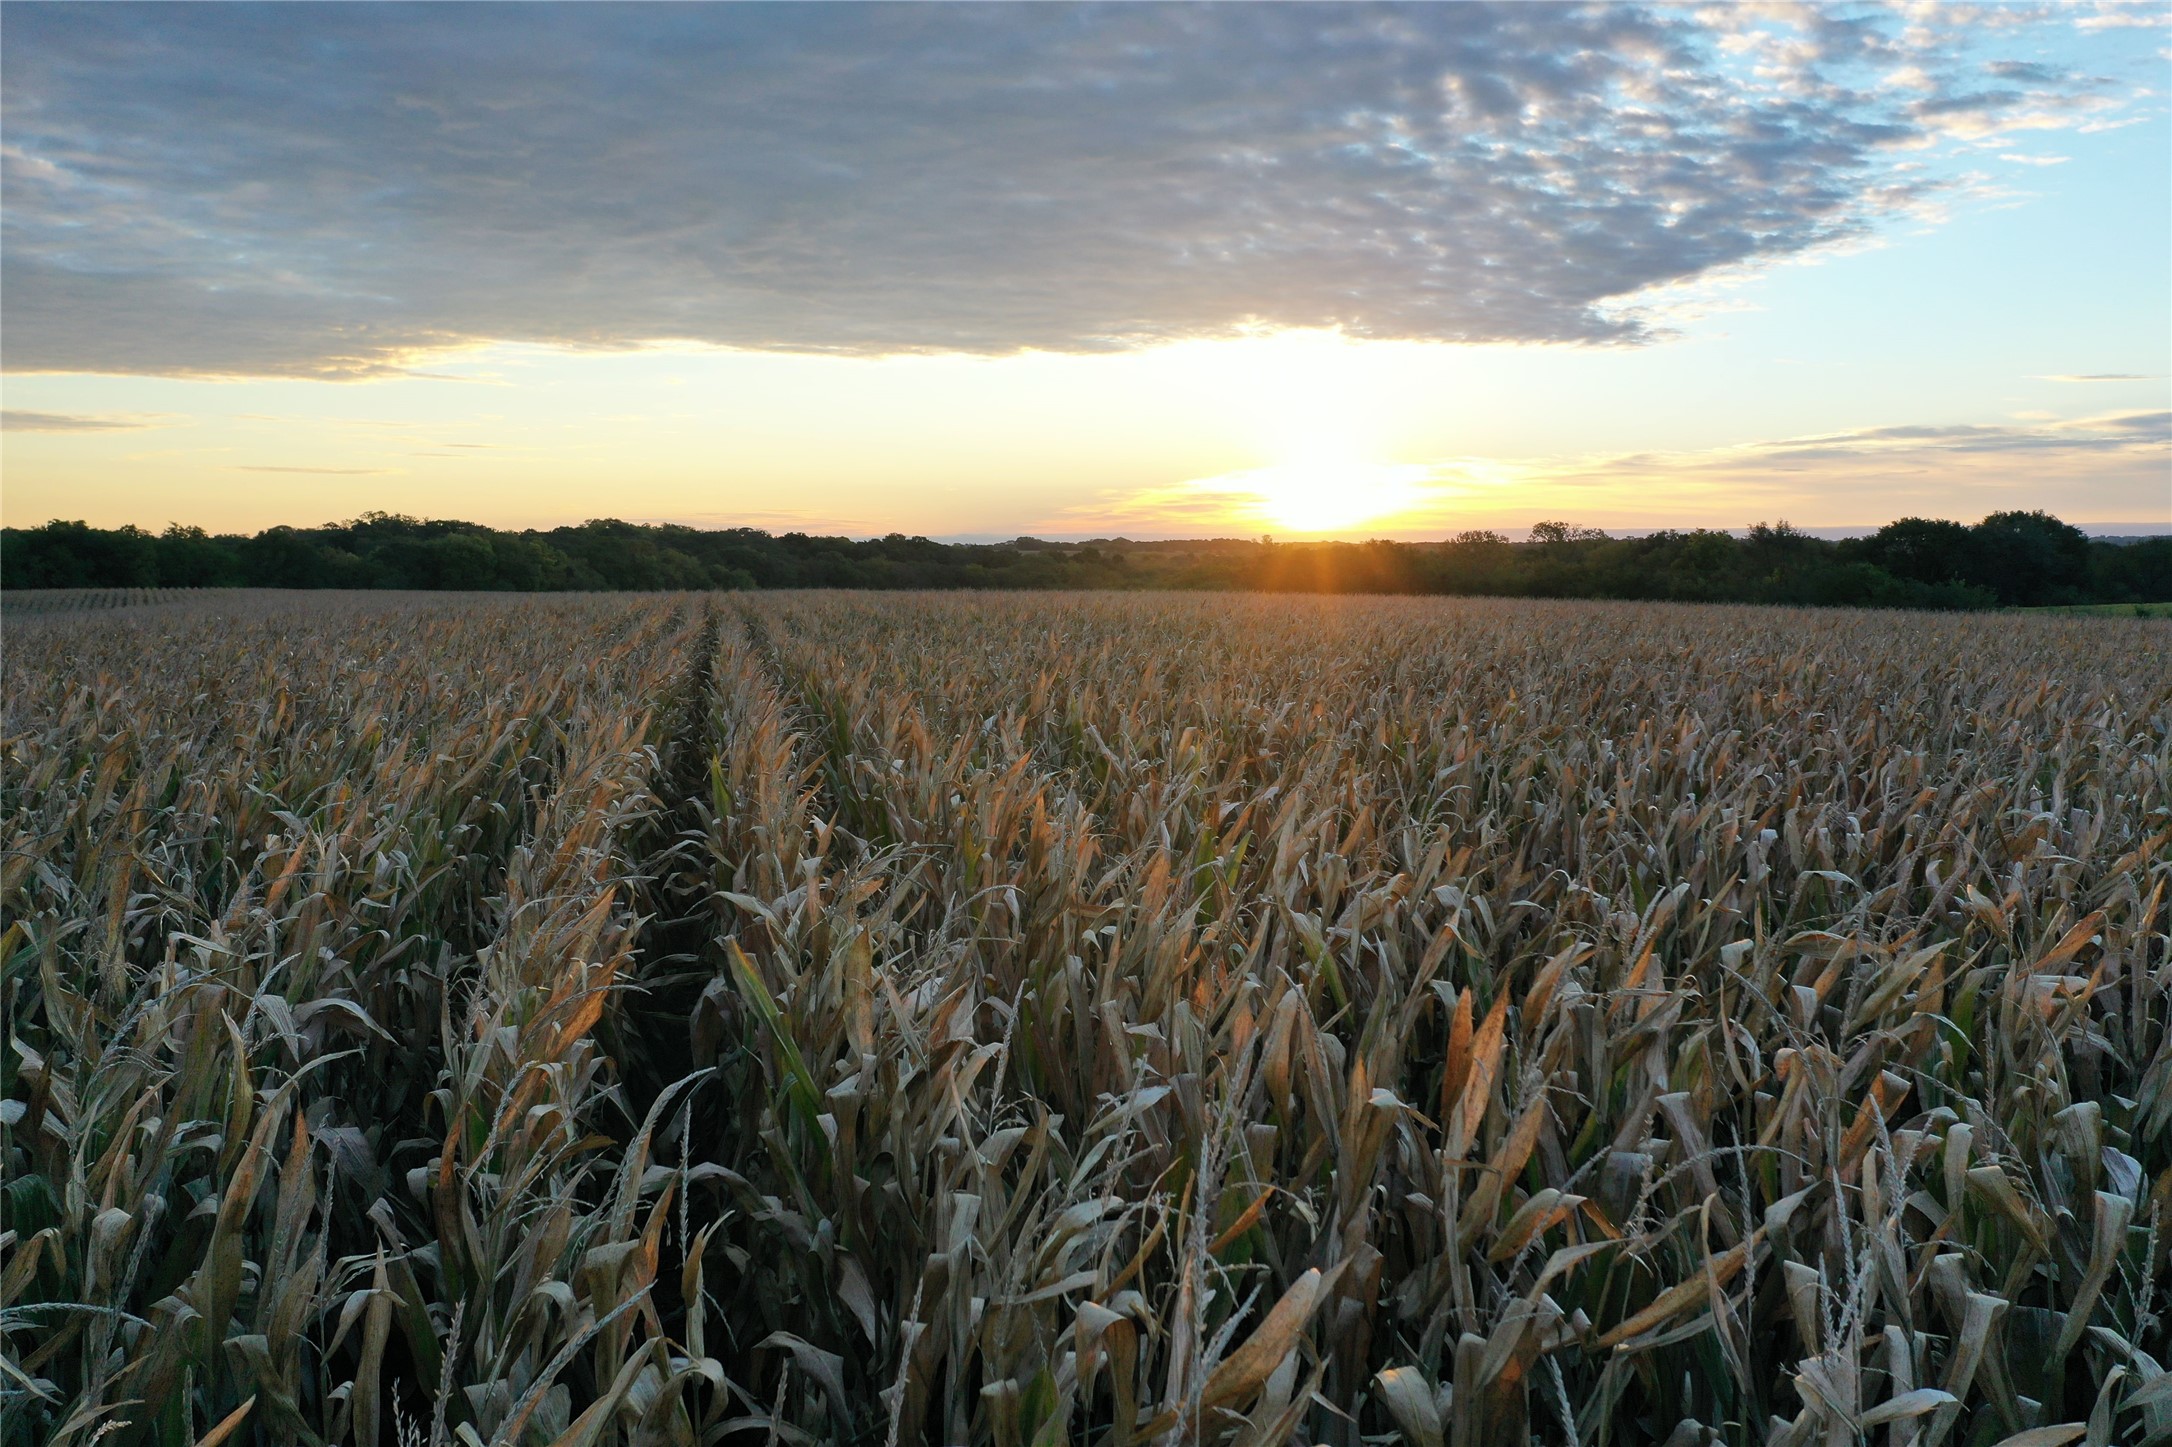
(1141, 270)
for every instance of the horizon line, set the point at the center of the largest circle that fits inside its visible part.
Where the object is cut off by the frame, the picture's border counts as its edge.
(1831, 532)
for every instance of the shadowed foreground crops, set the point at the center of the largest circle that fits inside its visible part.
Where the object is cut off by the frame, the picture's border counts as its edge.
(1096, 1019)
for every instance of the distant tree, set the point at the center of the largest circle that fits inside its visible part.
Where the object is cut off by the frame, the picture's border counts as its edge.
(2030, 558)
(283, 558)
(1702, 566)
(1560, 532)
(192, 558)
(1927, 550)
(77, 555)
(1781, 536)
(460, 561)
(529, 565)
(2014, 557)
(2131, 572)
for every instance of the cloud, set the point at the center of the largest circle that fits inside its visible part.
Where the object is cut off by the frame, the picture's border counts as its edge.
(340, 192)
(2102, 377)
(2027, 71)
(2145, 15)
(13, 421)
(2116, 431)
(1876, 473)
(775, 520)
(320, 471)
(1870, 474)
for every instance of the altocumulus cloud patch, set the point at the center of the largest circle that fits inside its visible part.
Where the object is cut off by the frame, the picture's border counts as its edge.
(14, 420)
(330, 191)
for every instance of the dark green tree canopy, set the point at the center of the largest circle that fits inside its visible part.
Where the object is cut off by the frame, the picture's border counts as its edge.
(2008, 559)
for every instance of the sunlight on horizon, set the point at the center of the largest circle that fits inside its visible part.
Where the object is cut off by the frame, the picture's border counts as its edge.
(1318, 494)
(1321, 408)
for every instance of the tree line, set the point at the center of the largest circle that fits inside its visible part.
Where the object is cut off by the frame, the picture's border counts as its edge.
(2008, 559)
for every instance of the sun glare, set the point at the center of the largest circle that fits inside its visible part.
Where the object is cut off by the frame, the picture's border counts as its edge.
(1319, 491)
(1315, 402)
(1323, 496)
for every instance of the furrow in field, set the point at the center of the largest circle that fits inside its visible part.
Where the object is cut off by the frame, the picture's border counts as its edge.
(262, 889)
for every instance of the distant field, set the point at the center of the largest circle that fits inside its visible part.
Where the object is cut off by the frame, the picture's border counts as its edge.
(1093, 1018)
(22, 602)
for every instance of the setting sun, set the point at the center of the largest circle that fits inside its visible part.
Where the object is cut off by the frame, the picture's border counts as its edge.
(1329, 494)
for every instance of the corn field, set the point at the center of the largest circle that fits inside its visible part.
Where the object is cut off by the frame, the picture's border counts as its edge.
(1096, 1019)
(22, 602)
